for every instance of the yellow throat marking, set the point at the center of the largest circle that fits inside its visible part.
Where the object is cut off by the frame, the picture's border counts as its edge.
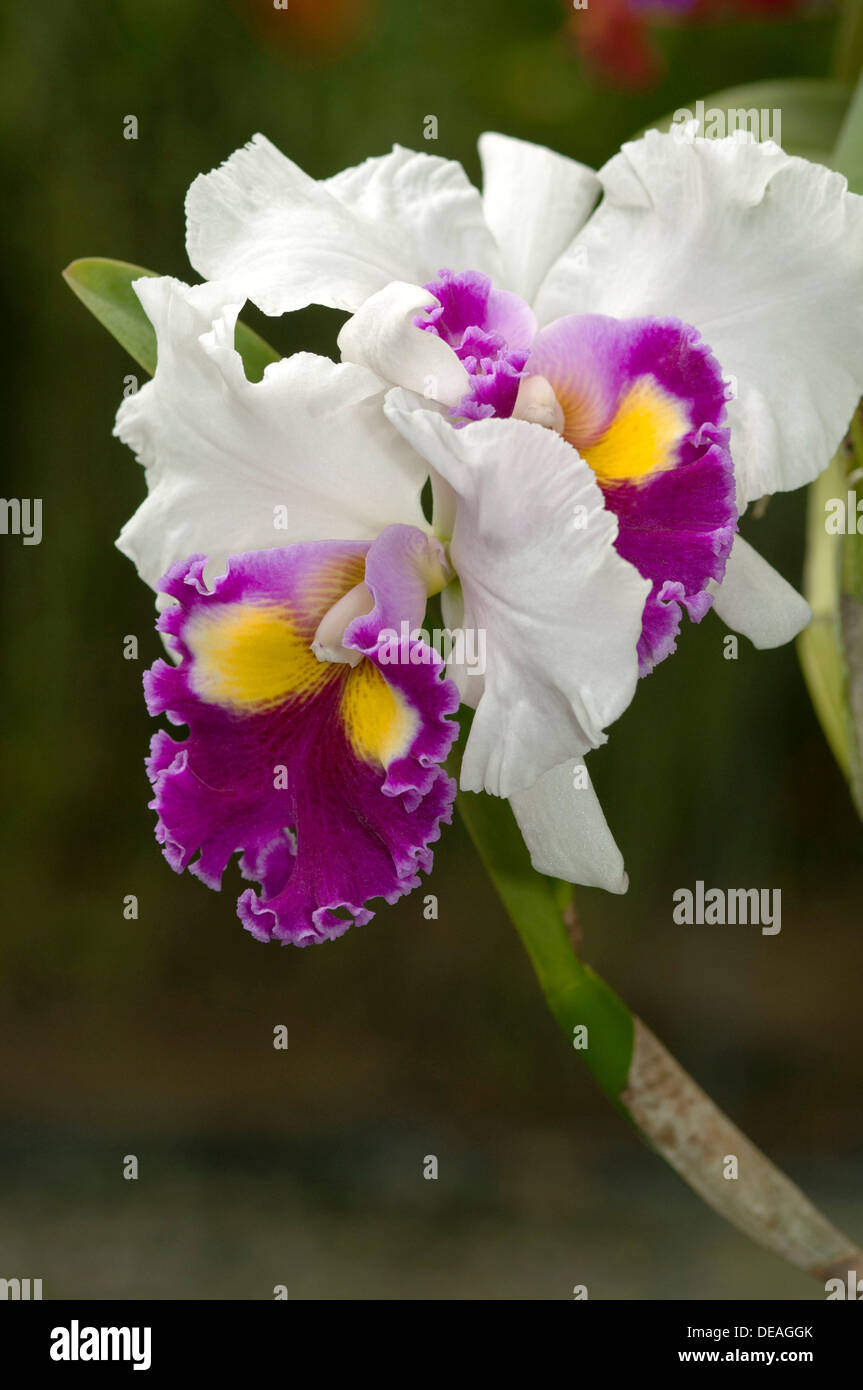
(642, 438)
(250, 657)
(377, 720)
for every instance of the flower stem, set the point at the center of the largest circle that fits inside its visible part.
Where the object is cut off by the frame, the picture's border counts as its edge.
(641, 1078)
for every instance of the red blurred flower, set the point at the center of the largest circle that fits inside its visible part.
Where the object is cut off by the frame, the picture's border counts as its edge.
(754, 9)
(614, 42)
(613, 37)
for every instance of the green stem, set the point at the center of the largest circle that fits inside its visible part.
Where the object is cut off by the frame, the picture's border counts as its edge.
(641, 1078)
(819, 645)
(575, 994)
(831, 648)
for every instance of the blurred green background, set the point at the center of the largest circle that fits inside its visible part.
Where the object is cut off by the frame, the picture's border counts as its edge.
(408, 1037)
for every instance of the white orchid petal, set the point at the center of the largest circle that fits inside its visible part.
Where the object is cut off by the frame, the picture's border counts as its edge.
(566, 832)
(383, 336)
(222, 453)
(444, 505)
(533, 546)
(287, 240)
(465, 667)
(763, 253)
(535, 202)
(755, 600)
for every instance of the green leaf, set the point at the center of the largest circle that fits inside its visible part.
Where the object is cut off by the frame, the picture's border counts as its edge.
(812, 111)
(574, 993)
(105, 287)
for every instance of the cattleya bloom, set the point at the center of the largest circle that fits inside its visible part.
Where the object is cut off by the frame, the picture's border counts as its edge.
(596, 371)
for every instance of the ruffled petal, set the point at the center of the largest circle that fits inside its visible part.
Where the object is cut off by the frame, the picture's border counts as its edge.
(535, 202)
(467, 300)
(754, 599)
(533, 547)
(288, 240)
(234, 465)
(760, 251)
(384, 336)
(326, 777)
(644, 403)
(566, 832)
(490, 331)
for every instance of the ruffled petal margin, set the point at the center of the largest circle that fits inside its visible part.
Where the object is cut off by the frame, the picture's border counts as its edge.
(325, 776)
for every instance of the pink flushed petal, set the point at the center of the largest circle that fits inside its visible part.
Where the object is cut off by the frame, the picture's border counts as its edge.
(677, 523)
(345, 829)
(401, 567)
(469, 300)
(490, 331)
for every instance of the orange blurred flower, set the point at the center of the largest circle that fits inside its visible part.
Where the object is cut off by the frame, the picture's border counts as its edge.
(318, 28)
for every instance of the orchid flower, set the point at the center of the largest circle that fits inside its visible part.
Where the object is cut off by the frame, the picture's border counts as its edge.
(308, 749)
(599, 373)
(316, 708)
(556, 398)
(555, 354)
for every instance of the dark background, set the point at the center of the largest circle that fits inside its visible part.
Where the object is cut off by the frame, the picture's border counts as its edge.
(407, 1037)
